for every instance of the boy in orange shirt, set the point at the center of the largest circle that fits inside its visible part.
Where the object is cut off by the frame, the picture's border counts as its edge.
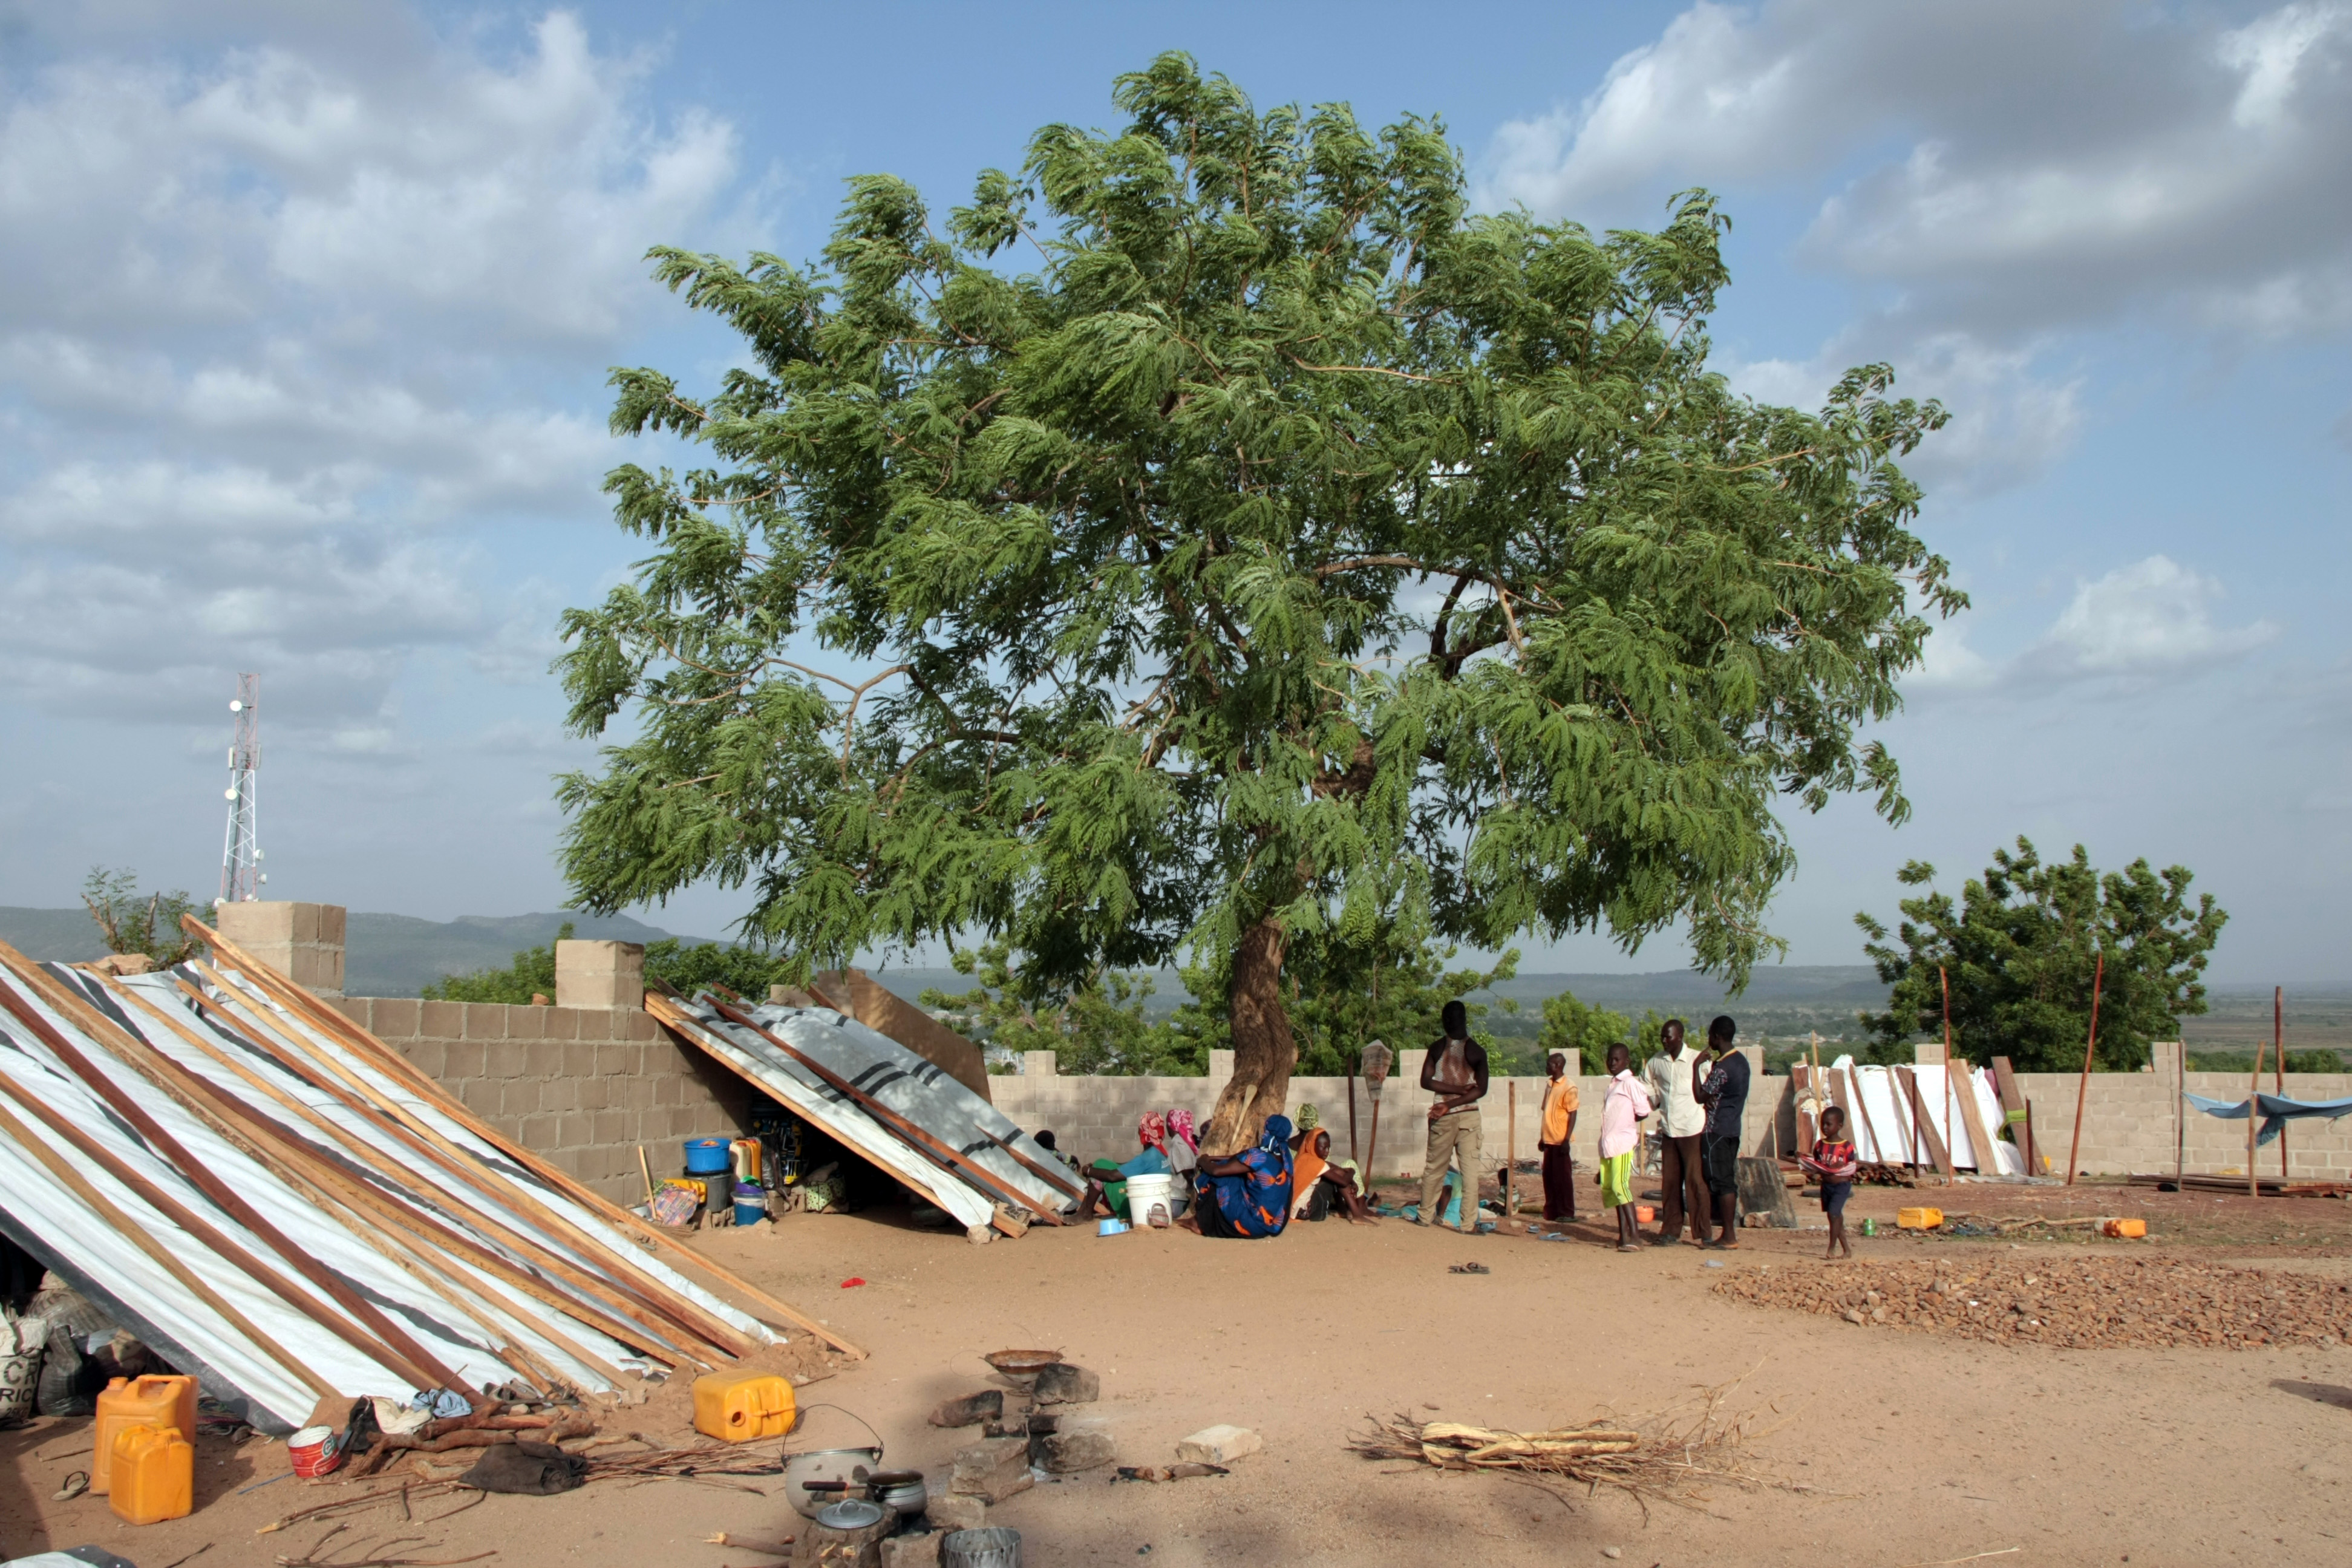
(1559, 1106)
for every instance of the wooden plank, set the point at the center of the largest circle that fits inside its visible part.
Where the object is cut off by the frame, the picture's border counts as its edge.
(2012, 1107)
(332, 1021)
(409, 1355)
(1972, 1118)
(887, 1012)
(1929, 1137)
(1059, 1179)
(975, 1175)
(689, 1324)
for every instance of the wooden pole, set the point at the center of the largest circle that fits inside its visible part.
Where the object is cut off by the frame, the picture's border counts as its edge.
(1351, 1111)
(1951, 1090)
(2278, 1066)
(1511, 1150)
(2253, 1116)
(2082, 1089)
(1371, 1145)
(2180, 1112)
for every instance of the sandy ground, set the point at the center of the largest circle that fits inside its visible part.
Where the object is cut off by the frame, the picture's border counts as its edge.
(1916, 1450)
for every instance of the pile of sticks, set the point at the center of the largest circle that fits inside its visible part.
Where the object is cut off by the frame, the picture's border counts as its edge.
(1660, 1457)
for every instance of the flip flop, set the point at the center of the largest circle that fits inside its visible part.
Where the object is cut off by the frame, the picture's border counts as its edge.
(1469, 1268)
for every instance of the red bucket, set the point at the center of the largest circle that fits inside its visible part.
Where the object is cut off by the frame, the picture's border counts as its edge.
(315, 1451)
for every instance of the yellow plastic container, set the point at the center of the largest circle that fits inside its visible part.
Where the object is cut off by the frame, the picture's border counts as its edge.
(139, 1402)
(736, 1407)
(2125, 1229)
(1918, 1219)
(154, 1475)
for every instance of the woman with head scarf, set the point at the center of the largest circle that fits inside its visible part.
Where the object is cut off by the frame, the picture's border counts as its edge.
(1249, 1195)
(1183, 1149)
(1323, 1183)
(1107, 1180)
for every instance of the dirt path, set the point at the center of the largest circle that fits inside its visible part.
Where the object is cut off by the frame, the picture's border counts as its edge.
(1919, 1450)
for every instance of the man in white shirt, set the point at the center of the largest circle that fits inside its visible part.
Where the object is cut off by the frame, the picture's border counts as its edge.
(1682, 1175)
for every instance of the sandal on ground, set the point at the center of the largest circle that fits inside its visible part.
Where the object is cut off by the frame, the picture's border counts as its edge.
(1469, 1268)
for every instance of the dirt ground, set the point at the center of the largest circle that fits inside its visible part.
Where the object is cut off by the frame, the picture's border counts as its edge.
(1911, 1449)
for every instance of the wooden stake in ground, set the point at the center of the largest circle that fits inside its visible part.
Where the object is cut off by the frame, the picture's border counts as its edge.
(2278, 1064)
(1951, 1093)
(646, 1170)
(1351, 1113)
(2082, 1089)
(1511, 1148)
(2180, 1112)
(2254, 1107)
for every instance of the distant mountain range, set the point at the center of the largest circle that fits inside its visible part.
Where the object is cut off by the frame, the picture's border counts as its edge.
(384, 955)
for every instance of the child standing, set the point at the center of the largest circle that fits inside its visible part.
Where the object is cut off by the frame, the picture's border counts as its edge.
(1622, 1111)
(1832, 1161)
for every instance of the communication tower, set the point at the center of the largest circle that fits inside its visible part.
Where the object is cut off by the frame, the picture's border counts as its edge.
(241, 874)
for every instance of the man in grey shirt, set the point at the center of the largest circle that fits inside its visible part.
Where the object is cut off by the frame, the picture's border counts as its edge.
(1682, 1124)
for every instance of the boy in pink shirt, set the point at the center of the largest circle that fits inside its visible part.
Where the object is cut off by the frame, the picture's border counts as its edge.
(1622, 1111)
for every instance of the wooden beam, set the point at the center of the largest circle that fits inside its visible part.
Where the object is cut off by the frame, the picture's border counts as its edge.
(335, 1024)
(412, 1357)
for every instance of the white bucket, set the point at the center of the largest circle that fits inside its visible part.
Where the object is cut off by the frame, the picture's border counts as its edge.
(1143, 1192)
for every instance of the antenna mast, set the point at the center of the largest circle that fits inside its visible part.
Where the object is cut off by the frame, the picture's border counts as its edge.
(241, 856)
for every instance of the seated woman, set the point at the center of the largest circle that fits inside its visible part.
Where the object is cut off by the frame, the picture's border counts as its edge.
(1247, 1196)
(1107, 1182)
(1322, 1185)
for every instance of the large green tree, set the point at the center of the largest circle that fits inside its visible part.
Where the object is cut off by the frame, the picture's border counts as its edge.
(1217, 535)
(2021, 948)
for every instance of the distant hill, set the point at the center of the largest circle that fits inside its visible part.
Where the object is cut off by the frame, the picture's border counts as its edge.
(384, 955)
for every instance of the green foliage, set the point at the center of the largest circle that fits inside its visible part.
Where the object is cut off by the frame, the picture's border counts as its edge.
(1290, 545)
(1390, 985)
(2021, 949)
(1097, 1027)
(744, 971)
(132, 924)
(2243, 1062)
(1585, 1033)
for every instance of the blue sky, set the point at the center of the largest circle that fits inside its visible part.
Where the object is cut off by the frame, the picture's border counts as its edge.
(305, 315)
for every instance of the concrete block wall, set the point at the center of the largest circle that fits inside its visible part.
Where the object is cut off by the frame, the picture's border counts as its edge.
(580, 1086)
(1096, 1117)
(302, 941)
(2128, 1125)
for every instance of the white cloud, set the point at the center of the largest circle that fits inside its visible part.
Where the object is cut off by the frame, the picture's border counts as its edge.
(1993, 177)
(2152, 617)
(278, 326)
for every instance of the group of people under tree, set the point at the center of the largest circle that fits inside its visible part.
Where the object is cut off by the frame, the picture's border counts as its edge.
(1699, 1095)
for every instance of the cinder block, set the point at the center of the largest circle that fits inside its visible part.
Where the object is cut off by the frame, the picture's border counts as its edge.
(527, 1022)
(574, 1131)
(258, 925)
(542, 1058)
(355, 1008)
(428, 1056)
(591, 1093)
(609, 1126)
(504, 1059)
(594, 1025)
(600, 974)
(442, 1020)
(394, 1018)
(485, 1020)
(537, 1132)
(642, 1026)
(520, 1097)
(559, 1023)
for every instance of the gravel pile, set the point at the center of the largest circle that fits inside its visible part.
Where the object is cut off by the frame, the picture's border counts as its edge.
(2077, 1304)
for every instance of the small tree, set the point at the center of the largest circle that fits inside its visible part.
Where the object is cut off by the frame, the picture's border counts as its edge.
(1585, 1031)
(2021, 949)
(132, 924)
(1290, 548)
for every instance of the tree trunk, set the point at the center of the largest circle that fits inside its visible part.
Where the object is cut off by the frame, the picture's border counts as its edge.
(1264, 1050)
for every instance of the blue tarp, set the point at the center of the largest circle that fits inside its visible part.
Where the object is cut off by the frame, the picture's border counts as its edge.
(2277, 1110)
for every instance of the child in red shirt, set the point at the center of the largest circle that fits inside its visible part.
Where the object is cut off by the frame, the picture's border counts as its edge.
(1832, 1161)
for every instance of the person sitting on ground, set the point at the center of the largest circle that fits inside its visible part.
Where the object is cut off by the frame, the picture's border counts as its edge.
(1831, 1160)
(1184, 1148)
(1324, 1185)
(1622, 1111)
(1044, 1138)
(1248, 1195)
(1720, 1083)
(1559, 1105)
(1107, 1182)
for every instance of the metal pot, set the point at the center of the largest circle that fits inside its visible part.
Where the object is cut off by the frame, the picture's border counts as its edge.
(849, 1514)
(902, 1492)
(850, 1465)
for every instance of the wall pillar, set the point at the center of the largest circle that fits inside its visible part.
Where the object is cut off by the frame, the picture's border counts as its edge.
(600, 975)
(304, 942)
(1040, 1064)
